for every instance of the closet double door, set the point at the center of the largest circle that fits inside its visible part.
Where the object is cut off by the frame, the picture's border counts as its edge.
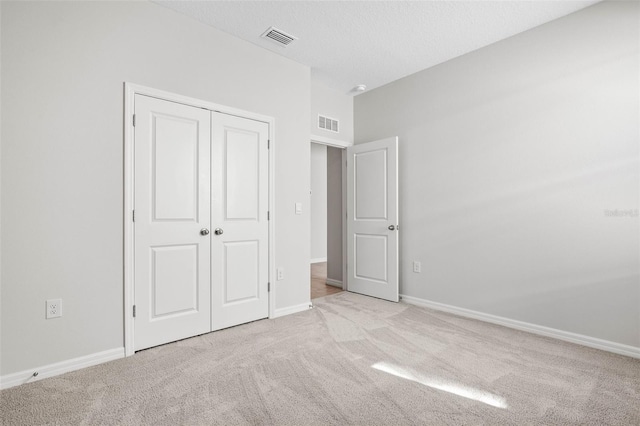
(200, 225)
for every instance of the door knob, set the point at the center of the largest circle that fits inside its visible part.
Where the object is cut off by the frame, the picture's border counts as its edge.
(218, 231)
(391, 227)
(204, 231)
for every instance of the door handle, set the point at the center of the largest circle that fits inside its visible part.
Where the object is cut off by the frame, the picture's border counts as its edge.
(204, 231)
(392, 228)
(218, 231)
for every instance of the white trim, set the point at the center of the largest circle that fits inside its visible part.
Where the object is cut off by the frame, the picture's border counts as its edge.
(331, 142)
(21, 377)
(272, 218)
(345, 257)
(130, 90)
(334, 283)
(318, 260)
(580, 339)
(292, 310)
(129, 290)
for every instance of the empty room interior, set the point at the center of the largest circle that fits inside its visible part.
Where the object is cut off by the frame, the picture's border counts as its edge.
(319, 212)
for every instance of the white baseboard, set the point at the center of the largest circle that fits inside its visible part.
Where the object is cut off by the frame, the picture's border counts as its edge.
(580, 339)
(334, 283)
(291, 310)
(21, 377)
(318, 260)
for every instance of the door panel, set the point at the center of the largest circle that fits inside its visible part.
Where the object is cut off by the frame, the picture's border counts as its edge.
(242, 270)
(372, 219)
(175, 168)
(370, 185)
(172, 205)
(371, 247)
(174, 280)
(241, 183)
(240, 254)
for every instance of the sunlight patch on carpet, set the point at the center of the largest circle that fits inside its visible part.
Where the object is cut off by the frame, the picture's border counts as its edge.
(453, 388)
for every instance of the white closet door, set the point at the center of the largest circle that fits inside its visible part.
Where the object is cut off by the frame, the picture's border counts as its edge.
(239, 238)
(372, 219)
(172, 214)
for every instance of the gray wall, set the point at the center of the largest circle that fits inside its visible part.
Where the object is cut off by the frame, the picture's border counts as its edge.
(334, 213)
(63, 68)
(509, 158)
(318, 210)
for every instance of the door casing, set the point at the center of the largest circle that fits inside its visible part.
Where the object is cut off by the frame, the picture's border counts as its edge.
(130, 90)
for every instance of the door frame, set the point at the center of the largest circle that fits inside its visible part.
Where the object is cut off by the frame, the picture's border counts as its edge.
(343, 145)
(130, 90)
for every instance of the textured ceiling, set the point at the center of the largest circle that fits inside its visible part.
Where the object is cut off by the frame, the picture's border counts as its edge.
(375, 42)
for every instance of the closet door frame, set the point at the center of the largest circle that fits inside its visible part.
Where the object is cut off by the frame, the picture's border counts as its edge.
(130, 90)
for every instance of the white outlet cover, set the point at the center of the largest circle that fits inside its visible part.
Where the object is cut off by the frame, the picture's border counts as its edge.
(53, 308)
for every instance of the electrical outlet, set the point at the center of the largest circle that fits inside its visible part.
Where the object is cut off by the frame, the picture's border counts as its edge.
(280, 274)
(54, 308)
(417, 267)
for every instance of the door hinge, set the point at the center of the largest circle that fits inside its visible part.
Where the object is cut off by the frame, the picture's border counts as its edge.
(268, 144)
(268, 287)
(134, 120)
(268, 215)
(133, 214)
(134, 311)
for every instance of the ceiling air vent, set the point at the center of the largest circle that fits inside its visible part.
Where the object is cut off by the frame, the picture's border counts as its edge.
(278, 36)
(328, 124)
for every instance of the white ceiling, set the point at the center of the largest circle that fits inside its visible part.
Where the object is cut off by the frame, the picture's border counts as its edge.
(375, 42)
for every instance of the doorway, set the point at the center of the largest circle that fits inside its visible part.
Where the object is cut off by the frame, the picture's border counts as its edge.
(326, 269)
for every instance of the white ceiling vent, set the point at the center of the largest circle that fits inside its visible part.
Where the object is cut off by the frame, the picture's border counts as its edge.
(279, 37)
(328, 124)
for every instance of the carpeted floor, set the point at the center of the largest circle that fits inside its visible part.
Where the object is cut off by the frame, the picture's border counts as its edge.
(350, 360)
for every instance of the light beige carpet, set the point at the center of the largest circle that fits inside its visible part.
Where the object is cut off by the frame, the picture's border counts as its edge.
(351, 360)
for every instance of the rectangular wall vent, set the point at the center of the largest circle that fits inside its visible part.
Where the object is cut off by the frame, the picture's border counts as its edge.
(277, 36)
(328, 124)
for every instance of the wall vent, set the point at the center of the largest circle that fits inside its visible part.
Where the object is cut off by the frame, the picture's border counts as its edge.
(328, 124)
(279, 37)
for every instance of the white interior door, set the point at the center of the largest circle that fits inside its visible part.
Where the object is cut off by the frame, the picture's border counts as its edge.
(240, 185)
(372, 219)
(172, 207)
